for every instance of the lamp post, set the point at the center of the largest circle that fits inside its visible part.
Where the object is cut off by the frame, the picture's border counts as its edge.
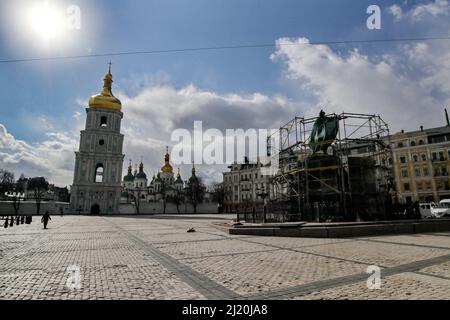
(263, 195)
(185, 193)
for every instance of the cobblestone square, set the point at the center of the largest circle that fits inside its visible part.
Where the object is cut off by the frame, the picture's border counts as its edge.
(153, 257)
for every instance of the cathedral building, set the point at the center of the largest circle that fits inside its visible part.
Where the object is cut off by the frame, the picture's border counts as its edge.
(164, 183)
(96, 185)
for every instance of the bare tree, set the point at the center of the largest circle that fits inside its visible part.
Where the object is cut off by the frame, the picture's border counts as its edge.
(19, 188)
(177, 199)
(39, 186)
(218, 194)
(6, 182)
(195, 192)
(137, 194)
(163, 192)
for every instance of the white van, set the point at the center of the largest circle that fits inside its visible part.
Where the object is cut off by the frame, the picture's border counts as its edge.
(441, 210)
(426, 210)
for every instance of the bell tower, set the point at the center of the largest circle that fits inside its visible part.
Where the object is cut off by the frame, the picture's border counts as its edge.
(98, 163)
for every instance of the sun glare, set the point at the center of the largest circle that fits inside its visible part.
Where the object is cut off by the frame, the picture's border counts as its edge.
(46, 21)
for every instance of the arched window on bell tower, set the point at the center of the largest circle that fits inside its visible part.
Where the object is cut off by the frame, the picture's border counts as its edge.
(99, 173)
(103, 122)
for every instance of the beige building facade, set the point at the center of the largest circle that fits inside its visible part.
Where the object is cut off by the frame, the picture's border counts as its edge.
(421, 164)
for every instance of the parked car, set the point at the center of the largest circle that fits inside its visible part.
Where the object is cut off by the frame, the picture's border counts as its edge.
(441, 210)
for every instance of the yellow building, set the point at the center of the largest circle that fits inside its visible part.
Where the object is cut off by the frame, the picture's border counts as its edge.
(421, 164)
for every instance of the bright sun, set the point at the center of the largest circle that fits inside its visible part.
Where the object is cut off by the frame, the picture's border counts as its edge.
(46, 21)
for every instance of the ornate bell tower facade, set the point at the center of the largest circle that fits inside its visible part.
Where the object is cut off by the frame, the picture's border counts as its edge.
(96, 185)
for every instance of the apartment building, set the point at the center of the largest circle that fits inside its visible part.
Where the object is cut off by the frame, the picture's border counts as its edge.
(245, 187)
(421, 164)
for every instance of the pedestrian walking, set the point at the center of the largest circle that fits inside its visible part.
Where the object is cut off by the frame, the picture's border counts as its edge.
(45, 219)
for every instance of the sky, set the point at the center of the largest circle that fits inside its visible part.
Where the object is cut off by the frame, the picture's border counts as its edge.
(43, 102)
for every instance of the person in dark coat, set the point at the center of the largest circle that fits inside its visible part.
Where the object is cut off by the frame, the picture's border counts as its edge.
(45, 219)
(416, 207)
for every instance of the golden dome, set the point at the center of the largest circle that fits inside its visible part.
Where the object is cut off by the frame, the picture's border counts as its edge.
(167, 168)
(105, 99)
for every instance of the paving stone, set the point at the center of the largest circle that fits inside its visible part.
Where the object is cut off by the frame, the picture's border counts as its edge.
(153, 257)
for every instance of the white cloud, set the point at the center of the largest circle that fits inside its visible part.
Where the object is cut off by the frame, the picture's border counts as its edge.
(154, 112)
(52, 158)
(396, 11)
(438, 7)
(355, 83)
(420, 11)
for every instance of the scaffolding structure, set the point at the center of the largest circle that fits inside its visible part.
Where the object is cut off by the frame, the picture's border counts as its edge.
(350, 181)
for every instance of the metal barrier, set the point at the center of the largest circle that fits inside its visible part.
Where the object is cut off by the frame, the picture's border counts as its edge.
(268, 217)
(10, 221)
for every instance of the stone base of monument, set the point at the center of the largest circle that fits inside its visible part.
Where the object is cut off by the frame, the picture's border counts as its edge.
(337, 230)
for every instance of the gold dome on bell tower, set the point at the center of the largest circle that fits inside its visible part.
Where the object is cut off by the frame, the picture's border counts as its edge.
(106, 99)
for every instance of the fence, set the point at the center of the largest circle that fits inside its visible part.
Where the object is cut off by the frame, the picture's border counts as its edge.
(10, 221)
(265, 216)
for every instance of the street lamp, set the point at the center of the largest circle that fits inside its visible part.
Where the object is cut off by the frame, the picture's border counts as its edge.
(263, 195)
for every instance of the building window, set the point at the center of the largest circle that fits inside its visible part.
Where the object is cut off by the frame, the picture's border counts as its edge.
(419, 185)
(424, 157)
(103, 121)
(415, 158)
(444, 171)
(428, 185)
(420, 142)
(99, 173)
(101, 142)
(406, 186)
(413, 143)
(437, 172)
(436, 139)
(426, 173)
(441, 156)
(400, 145)
(434, 156)
(405, 173)
(417, 172)
(402, 159)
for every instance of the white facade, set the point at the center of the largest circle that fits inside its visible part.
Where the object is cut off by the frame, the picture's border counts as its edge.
(245, 186)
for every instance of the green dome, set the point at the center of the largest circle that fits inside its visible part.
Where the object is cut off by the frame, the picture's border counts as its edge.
(129, 177)
(178, 180)
(193, 178)
(141, 174)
